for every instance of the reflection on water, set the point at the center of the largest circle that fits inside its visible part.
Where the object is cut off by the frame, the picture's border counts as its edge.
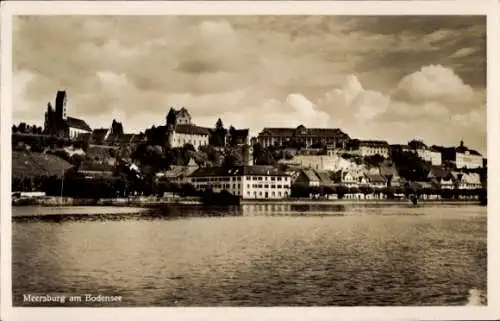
(258, 255)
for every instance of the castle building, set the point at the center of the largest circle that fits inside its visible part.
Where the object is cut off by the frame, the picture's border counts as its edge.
(182, 131)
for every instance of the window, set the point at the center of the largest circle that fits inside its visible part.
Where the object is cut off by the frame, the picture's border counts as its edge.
(248, 185)
(279, 194)
(272, 178)
(260, 193)
(266, 186)
(279, 186)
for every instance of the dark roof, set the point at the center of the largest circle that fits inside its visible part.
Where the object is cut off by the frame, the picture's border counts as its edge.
(182, 111)
(376, 178)
(416, 144)
(240, 133)
(78, 123)
(310, 175)
(400, 146)
(439, 172)
(285, 132)
(463, 149)
(324, 178)
(256, 170)
(99, 134)
(374, 143)
(191, 129)
(83, 136)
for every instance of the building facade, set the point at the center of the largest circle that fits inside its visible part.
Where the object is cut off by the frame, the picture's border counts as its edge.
(247, 182)
(468, 159)
(303, 136)
(469, 181)
(428, 154)
(374, 147)
(182, 131)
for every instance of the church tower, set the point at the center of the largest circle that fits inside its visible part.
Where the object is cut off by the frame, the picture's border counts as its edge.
(61, 105)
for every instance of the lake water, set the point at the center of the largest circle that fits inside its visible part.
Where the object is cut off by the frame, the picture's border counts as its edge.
(256, 255)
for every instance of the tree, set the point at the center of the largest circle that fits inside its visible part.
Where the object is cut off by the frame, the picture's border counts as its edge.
(232, 136)
(218, 136)
(266, 159)
(234, 158)
(258, 152)
(22, 128)
(374, 160)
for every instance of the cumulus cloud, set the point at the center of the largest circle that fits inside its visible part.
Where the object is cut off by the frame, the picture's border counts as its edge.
(434, 83)
(257, 71)
(428, 105)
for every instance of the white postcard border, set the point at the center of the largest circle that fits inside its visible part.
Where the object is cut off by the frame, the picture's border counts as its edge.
(489, 8)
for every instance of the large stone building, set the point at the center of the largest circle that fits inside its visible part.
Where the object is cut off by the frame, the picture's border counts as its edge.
(57, 121)
(461, 156)
(247, 182)
(301, 135)
(467, 158)
(373, 147)
(182, 131)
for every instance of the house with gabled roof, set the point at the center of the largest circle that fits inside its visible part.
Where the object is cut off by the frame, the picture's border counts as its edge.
(307, 177)
(441, 177)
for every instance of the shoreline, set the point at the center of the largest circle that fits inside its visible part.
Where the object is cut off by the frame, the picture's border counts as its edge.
(152, 203)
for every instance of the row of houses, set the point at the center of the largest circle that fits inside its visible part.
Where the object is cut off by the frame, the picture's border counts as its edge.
(268, 182)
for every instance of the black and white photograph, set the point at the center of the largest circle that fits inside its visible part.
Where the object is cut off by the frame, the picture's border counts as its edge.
(246, 160)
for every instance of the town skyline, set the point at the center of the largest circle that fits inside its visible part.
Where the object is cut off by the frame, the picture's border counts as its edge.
(353, 73)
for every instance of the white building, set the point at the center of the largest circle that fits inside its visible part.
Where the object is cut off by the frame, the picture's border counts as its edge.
(430, 155)
(469, 181)
(248, 182)
(189, 134)
(76, 127)
(468, 159)
(182, 131)
(374, 147)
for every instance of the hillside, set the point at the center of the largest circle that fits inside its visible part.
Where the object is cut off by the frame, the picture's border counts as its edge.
(29, 165)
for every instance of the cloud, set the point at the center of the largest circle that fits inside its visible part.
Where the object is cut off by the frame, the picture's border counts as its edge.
(422, 104)
(434, 83)
(256, 71)
(463, 52)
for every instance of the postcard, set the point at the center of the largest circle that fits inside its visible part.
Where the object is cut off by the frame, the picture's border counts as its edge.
(249, 160)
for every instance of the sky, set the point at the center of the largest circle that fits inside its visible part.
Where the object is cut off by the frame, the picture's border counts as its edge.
(393, 78)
